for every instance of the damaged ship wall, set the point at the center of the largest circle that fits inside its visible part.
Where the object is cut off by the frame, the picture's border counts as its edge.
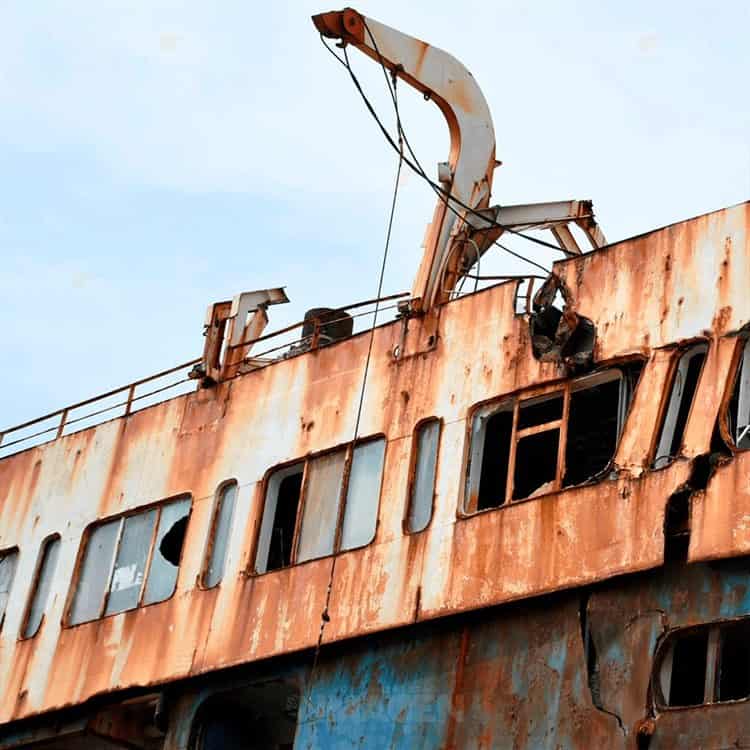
(645, 297)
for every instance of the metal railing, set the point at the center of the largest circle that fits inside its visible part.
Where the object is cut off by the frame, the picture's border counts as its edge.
(147, 391)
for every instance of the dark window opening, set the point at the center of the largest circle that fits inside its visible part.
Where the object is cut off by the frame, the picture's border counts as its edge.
(589, 414)
(684, 384)
(285, 518)
(688, 679)
(536, 464)
(335, 508)
(537, 411)
(734, 663)
(174, 539)
(704, 665)
(259, 717)
(677, 527)
(495, 458)
(593, 430)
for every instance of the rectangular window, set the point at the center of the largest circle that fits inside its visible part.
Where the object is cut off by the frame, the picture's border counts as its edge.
(320, 506)
(41, 587)
(423, 473)
(682, 390)
(739, 407)
(526, 447)
(8, 562)
(705, 664)
(130, 561)
(363, 494)
(218, 542)
(283, 492)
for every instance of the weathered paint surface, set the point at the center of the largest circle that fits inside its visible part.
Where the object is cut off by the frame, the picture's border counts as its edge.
(678, 283)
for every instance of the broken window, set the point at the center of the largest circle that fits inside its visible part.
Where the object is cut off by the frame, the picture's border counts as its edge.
(424, 470)
(531, 446)
(279, 519)
(8, 561)
(682, 390)
(738, 417)
(307, 502)
(219, 538)
(707, 664)
(130, 561)
(45, 572)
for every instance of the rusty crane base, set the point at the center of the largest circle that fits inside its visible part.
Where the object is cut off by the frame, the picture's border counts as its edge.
(527, 527)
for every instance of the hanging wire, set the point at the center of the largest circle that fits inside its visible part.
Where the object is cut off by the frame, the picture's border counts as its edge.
(324, 617)
(413, 163)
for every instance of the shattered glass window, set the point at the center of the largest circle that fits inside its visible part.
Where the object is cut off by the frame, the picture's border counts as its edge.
(165, 560)
(42, 586)
(129, 561)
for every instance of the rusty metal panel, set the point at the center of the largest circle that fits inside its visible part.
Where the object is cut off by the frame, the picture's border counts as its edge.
(515, 678)
(626, 622)
(648, 292)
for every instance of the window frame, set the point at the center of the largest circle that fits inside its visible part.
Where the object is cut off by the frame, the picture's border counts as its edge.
(514, 400)
(305, 461)
(38, 566)
(713, 664)
(14, 550)
(666, 397)
(120, 518)
(211, 538)
(735, 373)
(411, 484)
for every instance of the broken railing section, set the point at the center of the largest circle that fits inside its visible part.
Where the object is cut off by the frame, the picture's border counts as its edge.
(561, 335)
(230, 337)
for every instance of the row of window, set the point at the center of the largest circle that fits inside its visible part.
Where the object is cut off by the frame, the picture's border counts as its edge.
(520, 447)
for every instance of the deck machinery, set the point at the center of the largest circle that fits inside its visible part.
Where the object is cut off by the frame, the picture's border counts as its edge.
(512, 518)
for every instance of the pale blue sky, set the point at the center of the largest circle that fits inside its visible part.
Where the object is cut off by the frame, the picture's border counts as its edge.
(157, 156)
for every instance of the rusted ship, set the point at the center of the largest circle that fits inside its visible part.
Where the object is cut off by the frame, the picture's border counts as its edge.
(515, 517)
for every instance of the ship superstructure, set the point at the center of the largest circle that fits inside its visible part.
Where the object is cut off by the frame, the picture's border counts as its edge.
(509, 518)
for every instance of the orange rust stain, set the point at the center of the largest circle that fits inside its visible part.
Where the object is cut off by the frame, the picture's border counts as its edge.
(423, 47)
(482, 353)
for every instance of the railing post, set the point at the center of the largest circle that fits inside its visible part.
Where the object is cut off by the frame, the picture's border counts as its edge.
(129, 404)
(63, 418)
(315, 340)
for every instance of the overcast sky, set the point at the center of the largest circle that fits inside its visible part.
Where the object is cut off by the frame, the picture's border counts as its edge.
(157, 156)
